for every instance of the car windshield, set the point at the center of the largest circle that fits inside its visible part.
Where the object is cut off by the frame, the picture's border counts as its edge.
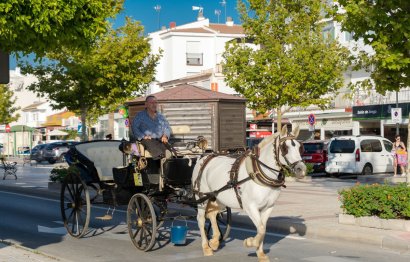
(342, 146)
(313, 147)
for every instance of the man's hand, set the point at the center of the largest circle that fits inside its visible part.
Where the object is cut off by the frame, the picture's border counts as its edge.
(164, 139)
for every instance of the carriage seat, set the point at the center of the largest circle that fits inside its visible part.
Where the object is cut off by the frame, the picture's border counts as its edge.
(175, 130)
(105, 155)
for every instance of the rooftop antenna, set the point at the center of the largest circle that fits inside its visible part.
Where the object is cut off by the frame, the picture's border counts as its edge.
(217, 13)
(158, 10)
(223, 4)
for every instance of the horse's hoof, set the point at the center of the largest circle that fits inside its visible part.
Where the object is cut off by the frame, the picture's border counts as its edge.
(214, 244)
(208, 252)
(262, 257)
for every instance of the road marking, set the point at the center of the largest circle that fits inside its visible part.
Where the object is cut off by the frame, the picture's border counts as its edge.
(51, 230)
(188, 221)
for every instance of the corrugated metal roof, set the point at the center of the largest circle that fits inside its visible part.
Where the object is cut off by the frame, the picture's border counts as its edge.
(189, 93)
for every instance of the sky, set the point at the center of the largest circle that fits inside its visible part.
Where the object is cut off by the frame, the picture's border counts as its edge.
(178, 11)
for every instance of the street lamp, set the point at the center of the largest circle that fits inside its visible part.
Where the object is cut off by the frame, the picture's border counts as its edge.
(217, 13)
(158, 10)
(223, 3)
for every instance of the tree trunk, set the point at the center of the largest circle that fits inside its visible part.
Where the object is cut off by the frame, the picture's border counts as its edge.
(111, 124)
(408, 143)
(279, 119)
(83, 124)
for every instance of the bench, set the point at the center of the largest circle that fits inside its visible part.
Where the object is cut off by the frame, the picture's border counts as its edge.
(10, 168)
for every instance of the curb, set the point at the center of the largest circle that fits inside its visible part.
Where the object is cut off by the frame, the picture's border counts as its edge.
(34, 251)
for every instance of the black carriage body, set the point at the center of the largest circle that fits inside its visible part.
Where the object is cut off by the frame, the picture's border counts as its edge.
(178, 171)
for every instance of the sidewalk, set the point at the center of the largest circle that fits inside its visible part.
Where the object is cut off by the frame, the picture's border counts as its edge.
(308, 208)
(15, 253)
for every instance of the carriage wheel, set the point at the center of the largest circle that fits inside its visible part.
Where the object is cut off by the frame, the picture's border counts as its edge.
(224, 219)
(75, 205)
(141, 222)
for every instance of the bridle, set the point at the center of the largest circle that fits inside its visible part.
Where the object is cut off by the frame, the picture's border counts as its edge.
(280, 148)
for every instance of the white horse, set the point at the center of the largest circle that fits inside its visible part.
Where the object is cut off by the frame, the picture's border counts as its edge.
(256, 180)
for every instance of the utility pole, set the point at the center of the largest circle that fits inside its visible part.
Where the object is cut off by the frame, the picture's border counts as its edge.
(158, 10)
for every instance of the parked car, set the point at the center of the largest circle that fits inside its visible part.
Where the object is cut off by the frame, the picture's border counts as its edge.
(37, 153)
(315, 152)
(56, 151)
(359, 155)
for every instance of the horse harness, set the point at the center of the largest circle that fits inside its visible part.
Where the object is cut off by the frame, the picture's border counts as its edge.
(254, 170)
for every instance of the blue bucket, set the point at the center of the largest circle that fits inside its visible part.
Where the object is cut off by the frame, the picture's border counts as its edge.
(178, 234)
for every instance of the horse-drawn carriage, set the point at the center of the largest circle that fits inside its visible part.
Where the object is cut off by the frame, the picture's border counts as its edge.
(118, 173)
(211, 183)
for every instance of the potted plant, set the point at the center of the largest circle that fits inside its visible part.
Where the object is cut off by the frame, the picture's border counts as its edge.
(58, 174)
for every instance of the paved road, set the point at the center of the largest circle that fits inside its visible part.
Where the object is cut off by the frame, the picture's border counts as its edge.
(34, 222)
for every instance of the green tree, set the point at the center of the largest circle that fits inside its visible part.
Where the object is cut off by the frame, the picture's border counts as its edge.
(385, 26)
(6, 106)
(95, 82)
(34, 26)
(294, 64)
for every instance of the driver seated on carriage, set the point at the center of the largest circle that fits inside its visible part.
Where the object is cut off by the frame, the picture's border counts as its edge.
(152, 129)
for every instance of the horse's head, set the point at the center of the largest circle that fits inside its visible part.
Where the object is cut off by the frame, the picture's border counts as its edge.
(288, 152)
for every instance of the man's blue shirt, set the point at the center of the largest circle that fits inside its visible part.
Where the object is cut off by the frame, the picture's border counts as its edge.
(144, 125)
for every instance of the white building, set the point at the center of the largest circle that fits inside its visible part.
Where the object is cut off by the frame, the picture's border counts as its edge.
(192, 53)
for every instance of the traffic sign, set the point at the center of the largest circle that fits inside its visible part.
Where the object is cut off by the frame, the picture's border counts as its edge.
(396, 115)
(312, 119)
(8, 128)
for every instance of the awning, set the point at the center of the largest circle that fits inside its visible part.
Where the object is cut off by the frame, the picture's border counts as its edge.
(57, 132)
(21, 128)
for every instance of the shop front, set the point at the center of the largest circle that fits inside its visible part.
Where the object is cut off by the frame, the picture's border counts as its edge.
(377, 120)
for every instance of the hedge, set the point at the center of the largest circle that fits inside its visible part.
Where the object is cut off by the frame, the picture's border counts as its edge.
(384, 201)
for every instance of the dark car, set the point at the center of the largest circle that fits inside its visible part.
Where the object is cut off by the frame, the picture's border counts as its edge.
(37, 153)
(56, 151)
(315, 152)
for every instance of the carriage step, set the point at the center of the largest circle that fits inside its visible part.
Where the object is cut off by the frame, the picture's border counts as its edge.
(105, 217)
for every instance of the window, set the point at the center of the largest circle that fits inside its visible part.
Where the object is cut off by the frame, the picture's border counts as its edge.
(329, 31)
(388, 145)
(342, 146)
(365, 146)
(371, 145)
(194, 55)
(348, 36)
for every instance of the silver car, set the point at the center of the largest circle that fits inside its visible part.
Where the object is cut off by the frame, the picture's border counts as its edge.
(56, 151)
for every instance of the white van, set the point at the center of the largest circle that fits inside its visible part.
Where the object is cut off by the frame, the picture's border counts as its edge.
(359, 155)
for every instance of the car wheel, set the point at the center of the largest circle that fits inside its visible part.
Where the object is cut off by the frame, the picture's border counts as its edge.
(51, 161)
(367, 170)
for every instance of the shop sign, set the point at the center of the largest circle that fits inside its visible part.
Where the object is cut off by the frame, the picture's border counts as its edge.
(260, 134)
(378, 111)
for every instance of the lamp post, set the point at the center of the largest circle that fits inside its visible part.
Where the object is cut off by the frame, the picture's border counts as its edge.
(158, 10)
(218, 13)
(223, 3)
(397, 106)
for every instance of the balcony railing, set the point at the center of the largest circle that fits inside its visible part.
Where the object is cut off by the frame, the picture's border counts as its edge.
(364, 98)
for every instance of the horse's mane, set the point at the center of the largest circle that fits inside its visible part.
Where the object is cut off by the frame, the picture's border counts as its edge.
(268, 140)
